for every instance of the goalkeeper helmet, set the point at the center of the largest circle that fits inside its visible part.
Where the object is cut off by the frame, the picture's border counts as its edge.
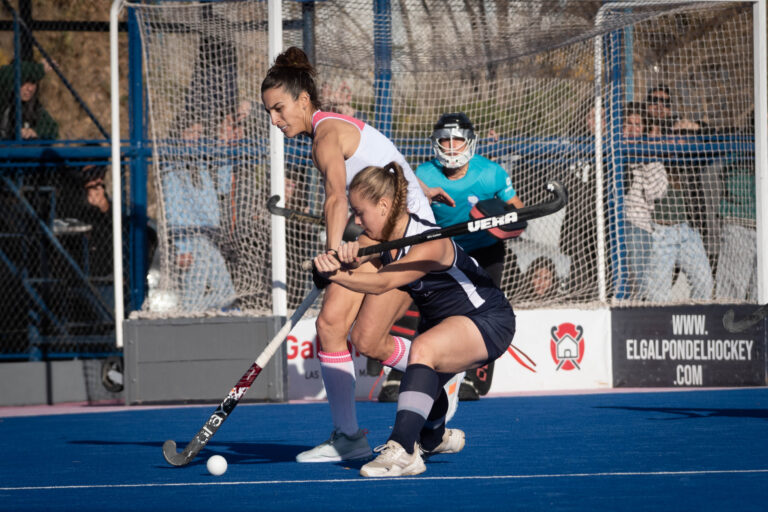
(457, 130)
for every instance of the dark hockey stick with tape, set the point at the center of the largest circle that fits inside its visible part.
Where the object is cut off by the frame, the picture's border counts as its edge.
(226, 407)
(745, 323)
(351, 232)
(292, 214)
(560, 197)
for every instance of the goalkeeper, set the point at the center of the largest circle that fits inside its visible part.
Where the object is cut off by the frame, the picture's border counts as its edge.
(468, 178)
(341, 147)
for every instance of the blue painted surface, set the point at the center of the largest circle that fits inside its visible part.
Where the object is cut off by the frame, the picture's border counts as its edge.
(686, 450)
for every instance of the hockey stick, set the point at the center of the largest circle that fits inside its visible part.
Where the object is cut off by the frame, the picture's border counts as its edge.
(226, 407)
(745, 323)
(351, 231)
(292, 214)
(526, 213)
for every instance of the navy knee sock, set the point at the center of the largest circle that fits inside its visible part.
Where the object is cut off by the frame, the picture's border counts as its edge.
(432, 432)
(418, 389)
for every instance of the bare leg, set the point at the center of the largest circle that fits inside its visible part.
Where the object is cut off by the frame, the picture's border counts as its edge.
(452, 346)
(373, 316)
(370, 334)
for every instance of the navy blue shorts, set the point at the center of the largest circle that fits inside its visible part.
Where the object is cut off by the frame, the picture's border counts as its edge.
(497, 325)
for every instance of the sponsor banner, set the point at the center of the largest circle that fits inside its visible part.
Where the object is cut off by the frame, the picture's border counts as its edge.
(304, 379)
(685, 346)
(556, 349)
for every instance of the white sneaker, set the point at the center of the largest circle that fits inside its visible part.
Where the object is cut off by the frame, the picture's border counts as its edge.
(339, 447)
(393, 460)
(452, 390)
(453, 442)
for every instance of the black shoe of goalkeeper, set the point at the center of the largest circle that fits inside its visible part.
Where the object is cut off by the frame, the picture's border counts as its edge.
(467, 391)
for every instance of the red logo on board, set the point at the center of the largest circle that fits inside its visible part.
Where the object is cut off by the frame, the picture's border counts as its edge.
(567, 346)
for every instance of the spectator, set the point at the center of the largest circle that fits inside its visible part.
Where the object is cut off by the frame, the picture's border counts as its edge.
(676, 243)
(96, 211)
(541, 280)
(191, 204)
(736, 277)
(700, 183)
(36, 122)
(339, 100)
(661, 119)
(648, 183)
(658, 232)
(235, 126)
(468, 178)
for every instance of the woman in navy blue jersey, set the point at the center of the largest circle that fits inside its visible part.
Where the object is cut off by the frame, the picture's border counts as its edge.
(466, 321)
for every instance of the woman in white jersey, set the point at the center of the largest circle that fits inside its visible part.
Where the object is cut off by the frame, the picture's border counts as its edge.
(341, 147)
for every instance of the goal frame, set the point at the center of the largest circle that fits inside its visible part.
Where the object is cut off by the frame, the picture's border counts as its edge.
(383, 105)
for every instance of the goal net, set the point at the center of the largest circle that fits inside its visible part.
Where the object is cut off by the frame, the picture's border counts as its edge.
(643, 110)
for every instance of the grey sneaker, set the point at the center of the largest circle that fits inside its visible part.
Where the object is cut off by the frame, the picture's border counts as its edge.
(339, 447)
(393, 460)
(453, 442)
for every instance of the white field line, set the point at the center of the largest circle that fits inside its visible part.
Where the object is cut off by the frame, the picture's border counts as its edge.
(399, 479)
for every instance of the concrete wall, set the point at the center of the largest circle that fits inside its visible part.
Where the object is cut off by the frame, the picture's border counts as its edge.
(39, 383)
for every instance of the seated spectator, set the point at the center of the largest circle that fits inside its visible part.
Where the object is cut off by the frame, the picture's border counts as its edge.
(676, 243)
(191, 206)
(36, 122)
(647, 183)
(339, 100)
(657, 232)
(97, 212)
(235, 126)
(662, 120)
(541, 280)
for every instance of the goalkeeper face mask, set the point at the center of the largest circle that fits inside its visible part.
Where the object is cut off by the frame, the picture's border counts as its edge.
(453, 140)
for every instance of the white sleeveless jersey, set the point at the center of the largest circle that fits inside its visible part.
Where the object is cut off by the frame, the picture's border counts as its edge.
(376, 149)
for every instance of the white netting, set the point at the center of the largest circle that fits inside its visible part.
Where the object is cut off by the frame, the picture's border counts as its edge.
(524, 72)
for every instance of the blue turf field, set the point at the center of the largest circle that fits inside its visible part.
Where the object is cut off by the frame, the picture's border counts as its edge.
(678, 451)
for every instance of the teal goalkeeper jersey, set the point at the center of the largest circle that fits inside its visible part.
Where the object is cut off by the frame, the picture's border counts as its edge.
(484, 180)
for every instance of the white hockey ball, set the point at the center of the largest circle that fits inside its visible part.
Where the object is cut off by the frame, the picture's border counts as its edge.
(217, 465)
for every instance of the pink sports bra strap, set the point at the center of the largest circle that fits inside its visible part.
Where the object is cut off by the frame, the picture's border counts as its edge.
(319, 116)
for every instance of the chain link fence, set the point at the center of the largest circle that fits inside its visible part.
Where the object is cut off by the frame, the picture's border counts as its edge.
(57, 297)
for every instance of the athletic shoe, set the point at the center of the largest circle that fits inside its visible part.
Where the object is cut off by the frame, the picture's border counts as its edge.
(452, 390)
(373, 367)
(393, 460)
(390, 389)
(453, 442)
(467, 390)
(339, 447)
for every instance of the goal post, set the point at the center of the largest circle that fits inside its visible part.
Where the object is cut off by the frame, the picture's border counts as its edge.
(277, 168)
(117, 208)
(759, 15)
(547, 84)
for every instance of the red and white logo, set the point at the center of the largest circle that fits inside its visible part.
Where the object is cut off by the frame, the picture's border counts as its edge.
(567, 346)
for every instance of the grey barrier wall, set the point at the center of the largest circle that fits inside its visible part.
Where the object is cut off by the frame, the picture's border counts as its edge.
(686, 346)
(200, 359)
(54, 382)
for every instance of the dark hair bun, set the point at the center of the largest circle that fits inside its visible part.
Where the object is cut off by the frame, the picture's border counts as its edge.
(295, 58)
